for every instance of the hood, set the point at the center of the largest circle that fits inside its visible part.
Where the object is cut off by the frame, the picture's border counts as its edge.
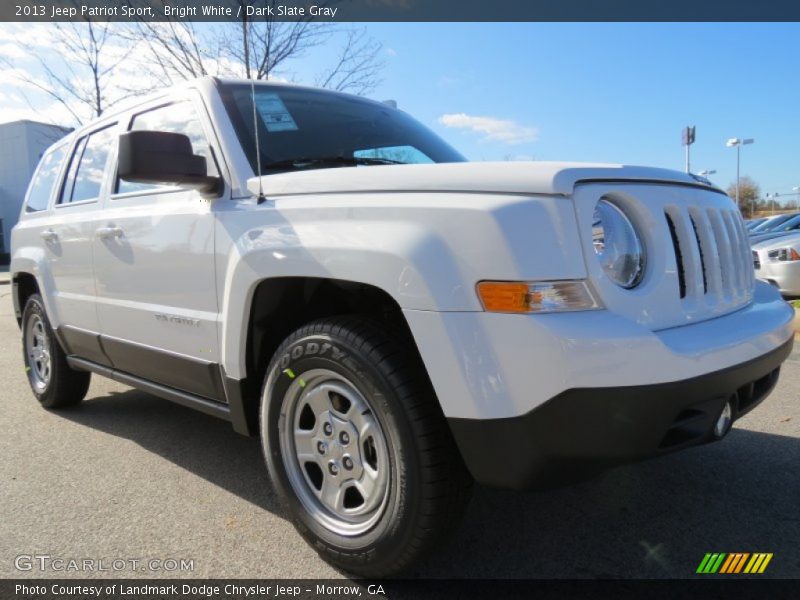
(770, 235)
(776, 240)
(551, 178)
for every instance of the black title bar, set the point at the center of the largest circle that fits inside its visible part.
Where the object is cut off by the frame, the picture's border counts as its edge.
(742, 588)
(401, 10)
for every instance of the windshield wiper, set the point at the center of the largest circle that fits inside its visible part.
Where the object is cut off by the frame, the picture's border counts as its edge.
(322, 161)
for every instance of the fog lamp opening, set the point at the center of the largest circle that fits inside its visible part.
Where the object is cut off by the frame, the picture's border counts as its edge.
(724, 421)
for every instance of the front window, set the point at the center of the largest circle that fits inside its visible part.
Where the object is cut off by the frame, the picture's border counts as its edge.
(87, 167)
(300, 128)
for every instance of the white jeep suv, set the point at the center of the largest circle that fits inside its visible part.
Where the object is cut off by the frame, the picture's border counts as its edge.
(393, 321)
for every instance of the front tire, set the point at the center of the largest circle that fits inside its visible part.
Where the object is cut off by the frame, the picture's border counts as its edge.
(52, 381)
(356, 443)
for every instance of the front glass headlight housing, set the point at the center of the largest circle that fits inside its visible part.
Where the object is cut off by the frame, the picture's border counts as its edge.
(783, 255)
(617, 245)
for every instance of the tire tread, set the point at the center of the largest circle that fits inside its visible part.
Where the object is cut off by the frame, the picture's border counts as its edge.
(444, 477)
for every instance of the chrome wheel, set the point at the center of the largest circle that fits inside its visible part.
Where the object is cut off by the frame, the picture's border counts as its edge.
(334, 451)
(37, 349)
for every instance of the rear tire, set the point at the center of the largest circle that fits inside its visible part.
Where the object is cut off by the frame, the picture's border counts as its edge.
(53, 382)
(356, 443)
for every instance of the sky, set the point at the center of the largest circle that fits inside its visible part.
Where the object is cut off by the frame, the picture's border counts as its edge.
(617, 93)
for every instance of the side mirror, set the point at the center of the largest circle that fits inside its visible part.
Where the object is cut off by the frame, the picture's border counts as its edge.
(161, 157)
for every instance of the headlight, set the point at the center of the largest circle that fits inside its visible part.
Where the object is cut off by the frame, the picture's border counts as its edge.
(617, 245)
(783, 255)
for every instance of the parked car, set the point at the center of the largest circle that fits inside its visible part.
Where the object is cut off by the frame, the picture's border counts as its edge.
(771, 223)
(393, 322)
(777, 261)
(749, 224)
(788, 226)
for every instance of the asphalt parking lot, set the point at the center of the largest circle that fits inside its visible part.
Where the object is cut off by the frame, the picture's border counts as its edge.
(127, 475)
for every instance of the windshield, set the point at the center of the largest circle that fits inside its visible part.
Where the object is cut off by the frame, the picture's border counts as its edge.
(301, 128)
(771, 224)
(789, 225)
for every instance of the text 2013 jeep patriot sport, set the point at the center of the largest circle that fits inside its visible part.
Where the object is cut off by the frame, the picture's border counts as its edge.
(394, 322)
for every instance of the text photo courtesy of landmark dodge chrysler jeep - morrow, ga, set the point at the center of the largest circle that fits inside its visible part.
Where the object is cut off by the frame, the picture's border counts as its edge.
(393, 322)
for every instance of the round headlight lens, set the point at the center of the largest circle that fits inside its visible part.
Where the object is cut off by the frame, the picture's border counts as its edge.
(617, 245)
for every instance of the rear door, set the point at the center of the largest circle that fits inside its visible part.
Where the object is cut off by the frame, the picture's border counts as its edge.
(154, 268)
(69, 239)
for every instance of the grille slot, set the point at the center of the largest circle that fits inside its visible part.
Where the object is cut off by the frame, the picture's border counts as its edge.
(702, 259)
(678, 255)
(712, 254)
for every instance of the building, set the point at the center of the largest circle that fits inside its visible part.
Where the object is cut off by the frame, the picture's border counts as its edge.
(22, 144)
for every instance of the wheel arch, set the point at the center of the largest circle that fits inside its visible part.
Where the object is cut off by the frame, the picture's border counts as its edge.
(30, 273)
(23, 286)
(280, 305)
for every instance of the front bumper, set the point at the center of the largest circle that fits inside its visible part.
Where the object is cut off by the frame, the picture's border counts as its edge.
(540, 395)
(583, 431)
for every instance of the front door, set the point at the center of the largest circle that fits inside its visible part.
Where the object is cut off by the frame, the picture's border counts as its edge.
(154, 271)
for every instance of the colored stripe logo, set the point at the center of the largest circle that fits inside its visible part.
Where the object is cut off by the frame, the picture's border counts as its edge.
(734, 563)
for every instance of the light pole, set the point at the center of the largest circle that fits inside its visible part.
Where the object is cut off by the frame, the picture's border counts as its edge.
(796, 190)
(738, 143)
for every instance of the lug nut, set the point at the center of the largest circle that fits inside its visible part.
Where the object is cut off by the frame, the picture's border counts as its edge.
(327, 429)
(333, 469)
(322, 447)
(348, 463)
(344, 438)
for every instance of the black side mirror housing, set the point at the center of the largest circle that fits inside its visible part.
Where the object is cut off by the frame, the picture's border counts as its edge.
(162, 157)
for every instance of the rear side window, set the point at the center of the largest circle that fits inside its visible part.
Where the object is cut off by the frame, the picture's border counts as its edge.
(173, 118)
(85, 174)
(44, 180)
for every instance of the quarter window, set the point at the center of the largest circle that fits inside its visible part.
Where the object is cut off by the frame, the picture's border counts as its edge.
(180, 117)
(45, 179)
(85, 175)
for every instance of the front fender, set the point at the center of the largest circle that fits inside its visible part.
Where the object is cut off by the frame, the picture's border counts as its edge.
(427, 251)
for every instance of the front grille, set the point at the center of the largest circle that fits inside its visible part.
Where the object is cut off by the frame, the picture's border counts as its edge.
(711, 253)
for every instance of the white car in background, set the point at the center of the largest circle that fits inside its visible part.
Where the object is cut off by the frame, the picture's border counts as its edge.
(777, 261)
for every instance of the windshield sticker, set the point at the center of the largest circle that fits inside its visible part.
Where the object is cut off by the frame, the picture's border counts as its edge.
(274, 113)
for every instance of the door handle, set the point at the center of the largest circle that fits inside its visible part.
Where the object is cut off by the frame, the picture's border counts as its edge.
(48, 235)
(107, 233)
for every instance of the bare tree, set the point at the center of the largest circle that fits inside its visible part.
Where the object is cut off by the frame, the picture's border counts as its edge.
(172, 51)
(77, 69)
(267, 45)
(358, 67)
(175, 50)
(749, 194)
(255, 48)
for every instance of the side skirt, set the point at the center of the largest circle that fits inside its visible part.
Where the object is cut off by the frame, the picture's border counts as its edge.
(209, 407)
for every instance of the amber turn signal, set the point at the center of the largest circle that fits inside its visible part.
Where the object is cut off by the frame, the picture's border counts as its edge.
(502, 296)
(538, 296)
